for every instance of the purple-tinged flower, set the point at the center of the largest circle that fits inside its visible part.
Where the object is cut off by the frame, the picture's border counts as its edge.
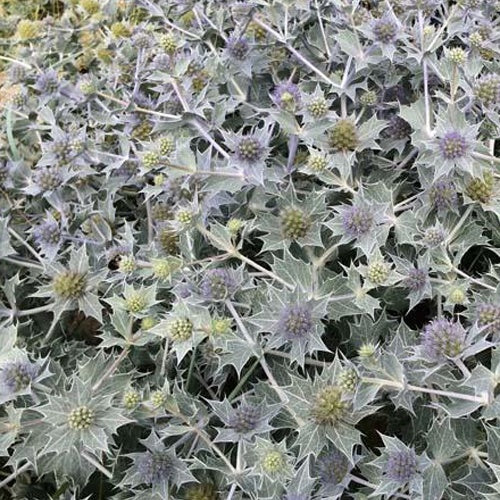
(47, 179)
(357, 220)
(398, 128)
(249, 150)
(286, 96)
(238, 47)
(218, 284)
(141, 40)
(332, 468)
(434, 236)
(453, 145)
(443, 195)
(296, 496)
(17, 73)
(154, 467)
(47, 234)
(17, 376)
(245, 418)
(385, 30)
(296, 322)
(401, 466)
(488, 316)
(48, 83)
(162, 62)
(416, 279)
(442, 339)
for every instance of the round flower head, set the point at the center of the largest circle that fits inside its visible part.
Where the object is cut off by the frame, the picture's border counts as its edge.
(47, 83)
(357, 220)
(368, 98)
(81, 418)
(401, 466)
(453, 145)
(378, 272)
(344, 135)
(136, 302)
(154, 467)
(398, 128)
(442, 339)
(249, 150)
(181, 329)
(434, 236)
(273, 462)
(47, 234)
(69, 285)
(332, 468)
(481, 189)
(218, 284)
(238, 47)
(168, 43)
(416, 279)
(348, 380)
(202, 491)
(287, 96)
(487, 90)
(131, 399)
(169, 241)
(17, 376)
(385, 30)
(296, 321)
(294, 223)
(317, 107)
(488, 316)
(457, 55)
(47, 179)
(245, 418)
(317, 163)
(328, 407)
(443, 194)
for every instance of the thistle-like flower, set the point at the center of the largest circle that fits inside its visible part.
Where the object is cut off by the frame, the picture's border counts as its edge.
(443, 195)
(131, 399)
(47, 235)
(368, 98)
(16, 376)
(401, 466)
(332, 468)
(344, 135)
(69, 285)
(443, 339)
(488, 317)
(348, 380)
(245, 418)
(48, 83)
(238, 47)
(218, 284)
(296, 321)
(378, 272)
(487, 90)
(154, 467)
(329, 406)
(81, 418)
(434, 236)
(294, 223)
(385, 30)
(416, 279)
(457, 55)
(249, 150)
(398, 128)
(453, 145)
(357, 220)
(181, 329)
(317, 107)
(287, 96)
(481, 189)
(273, 462)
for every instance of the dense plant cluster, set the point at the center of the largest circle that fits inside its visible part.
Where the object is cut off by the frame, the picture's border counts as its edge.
(249, 249)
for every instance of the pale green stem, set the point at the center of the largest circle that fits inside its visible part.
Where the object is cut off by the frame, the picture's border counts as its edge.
(474, 280)
(297, 54)
(25, 244)
(16, 473)
(459, 225)
(35, 310)
(450, 394)
(96, 464)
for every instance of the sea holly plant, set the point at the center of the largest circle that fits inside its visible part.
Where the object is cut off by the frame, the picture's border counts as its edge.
(249, 249)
